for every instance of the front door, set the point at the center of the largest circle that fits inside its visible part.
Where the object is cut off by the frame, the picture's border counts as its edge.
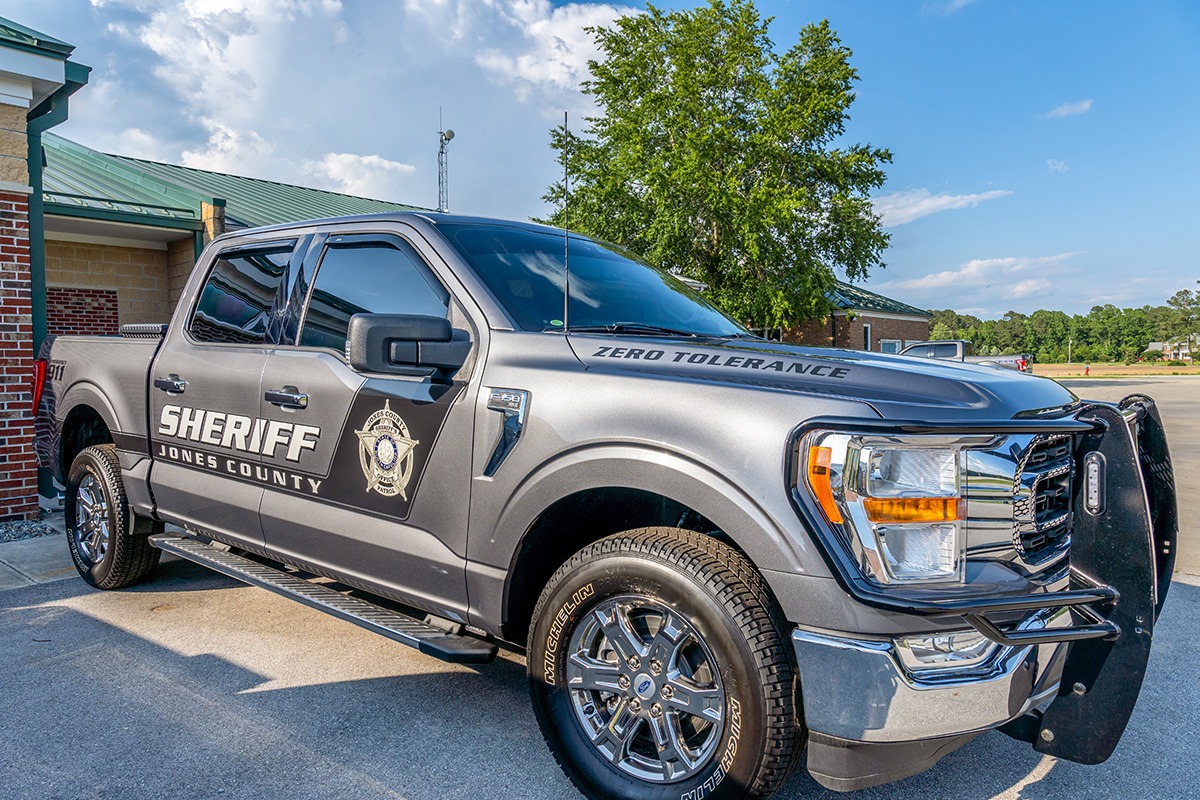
(205, 430)
(377, 491)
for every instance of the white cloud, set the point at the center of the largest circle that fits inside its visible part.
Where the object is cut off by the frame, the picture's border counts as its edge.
(987, 287)
(313, 91)
(988, 273)
(1055, 165)
(366, 176)
(553, 50)
(946, 6)
(899, 208)
(1070, 109)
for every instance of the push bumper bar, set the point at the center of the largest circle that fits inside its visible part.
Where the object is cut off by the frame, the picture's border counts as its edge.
(1088, 666)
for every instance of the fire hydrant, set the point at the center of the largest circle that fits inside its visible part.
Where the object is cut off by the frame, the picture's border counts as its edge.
(1087, 370)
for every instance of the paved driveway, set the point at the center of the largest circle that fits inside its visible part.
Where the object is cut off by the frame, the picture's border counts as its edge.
(195, 686)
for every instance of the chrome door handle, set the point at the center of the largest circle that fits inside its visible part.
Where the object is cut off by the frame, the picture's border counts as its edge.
(171, 385)
(287, 397)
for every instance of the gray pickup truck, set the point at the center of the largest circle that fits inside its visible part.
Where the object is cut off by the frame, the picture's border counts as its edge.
(964, 351)
(715, 550)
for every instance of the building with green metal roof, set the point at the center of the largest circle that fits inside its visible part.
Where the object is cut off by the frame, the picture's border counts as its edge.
(863, 320)
(122, 233)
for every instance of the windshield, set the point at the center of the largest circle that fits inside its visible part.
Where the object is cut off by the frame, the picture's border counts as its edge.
(609, 289)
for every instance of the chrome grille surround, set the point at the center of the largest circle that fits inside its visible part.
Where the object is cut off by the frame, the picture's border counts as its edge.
(1042, 499)
(1018, 492)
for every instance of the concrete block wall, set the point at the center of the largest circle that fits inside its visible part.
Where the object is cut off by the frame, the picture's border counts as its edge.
(14, 162)
(181, 257)
(138, 276)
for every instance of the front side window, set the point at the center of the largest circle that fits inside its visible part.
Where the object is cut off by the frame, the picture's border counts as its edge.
(235, 303)
(524, 269)
(372, 276)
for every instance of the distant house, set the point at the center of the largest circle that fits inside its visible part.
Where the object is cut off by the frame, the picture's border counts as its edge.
(1177, 349)
(863, 320)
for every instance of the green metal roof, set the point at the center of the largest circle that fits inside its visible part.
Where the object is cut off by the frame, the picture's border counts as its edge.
(79, 181)
(846, 297)
(16, 35)
(251, 202)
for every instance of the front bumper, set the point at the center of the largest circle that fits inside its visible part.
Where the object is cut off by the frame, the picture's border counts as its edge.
(1065, 678)
(860, 689)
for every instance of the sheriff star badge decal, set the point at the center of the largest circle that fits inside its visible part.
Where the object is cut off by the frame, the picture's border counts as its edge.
(386, 452)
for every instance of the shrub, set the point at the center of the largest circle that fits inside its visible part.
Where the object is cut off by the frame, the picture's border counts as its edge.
(1176, 364)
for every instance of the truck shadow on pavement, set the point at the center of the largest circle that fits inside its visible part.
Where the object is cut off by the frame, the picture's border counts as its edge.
(192, 686)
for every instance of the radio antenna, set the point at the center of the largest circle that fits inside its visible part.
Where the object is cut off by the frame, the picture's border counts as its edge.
(566, 226)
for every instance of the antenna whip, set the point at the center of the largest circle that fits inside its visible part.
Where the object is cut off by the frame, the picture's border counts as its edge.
(566, 225)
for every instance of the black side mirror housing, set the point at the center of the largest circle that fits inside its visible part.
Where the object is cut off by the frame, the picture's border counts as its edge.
(406, 344)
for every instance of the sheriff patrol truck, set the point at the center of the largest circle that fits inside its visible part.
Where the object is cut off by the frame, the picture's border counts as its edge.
(716, 550)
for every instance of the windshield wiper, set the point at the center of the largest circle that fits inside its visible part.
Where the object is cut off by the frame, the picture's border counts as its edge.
(633, 328)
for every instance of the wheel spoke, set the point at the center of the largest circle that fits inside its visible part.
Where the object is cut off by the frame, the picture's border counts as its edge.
(672, 752)
(590, 674)
(689, 697)
(613, 739)
(614, 621)
(671, 637)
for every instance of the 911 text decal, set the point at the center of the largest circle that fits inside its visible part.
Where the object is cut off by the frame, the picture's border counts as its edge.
(723, 360)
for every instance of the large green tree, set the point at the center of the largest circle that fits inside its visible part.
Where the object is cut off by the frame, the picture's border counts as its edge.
(716, 156)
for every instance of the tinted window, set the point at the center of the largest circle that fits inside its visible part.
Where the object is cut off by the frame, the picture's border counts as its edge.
(524, 269)
(368, 277)
(235, 304)
(945, 351)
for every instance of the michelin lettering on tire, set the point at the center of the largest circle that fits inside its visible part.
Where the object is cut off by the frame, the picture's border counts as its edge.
(554, 635)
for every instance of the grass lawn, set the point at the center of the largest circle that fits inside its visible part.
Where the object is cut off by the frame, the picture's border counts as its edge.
(1117, 370)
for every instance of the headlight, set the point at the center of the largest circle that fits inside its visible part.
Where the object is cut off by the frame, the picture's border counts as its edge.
(896, 501)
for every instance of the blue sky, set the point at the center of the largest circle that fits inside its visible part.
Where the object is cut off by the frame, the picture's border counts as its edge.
(1044, 151)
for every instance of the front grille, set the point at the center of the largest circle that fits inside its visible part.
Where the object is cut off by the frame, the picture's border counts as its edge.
(1042, 499)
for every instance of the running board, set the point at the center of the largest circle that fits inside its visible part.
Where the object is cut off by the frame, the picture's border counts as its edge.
(398, 627)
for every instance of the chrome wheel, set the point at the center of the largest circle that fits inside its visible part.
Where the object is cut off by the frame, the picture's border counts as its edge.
(646, 689)
(91, 520)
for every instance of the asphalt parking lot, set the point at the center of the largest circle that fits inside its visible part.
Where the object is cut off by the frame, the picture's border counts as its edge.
(194, 686)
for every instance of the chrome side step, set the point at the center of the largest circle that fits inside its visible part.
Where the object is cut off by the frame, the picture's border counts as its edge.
(395, 626)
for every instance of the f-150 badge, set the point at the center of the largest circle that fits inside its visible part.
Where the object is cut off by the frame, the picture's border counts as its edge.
(386, 452)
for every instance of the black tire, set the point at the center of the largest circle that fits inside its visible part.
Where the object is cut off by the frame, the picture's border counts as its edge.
(108, 542)
(715, 600)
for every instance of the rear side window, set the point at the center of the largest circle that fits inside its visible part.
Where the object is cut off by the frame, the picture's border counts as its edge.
(235, 303)
(373, 276)
(945, 351)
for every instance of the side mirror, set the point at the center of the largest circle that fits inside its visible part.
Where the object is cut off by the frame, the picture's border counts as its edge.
(406, 344)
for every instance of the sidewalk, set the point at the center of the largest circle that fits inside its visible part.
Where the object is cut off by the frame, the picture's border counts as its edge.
(39, 560)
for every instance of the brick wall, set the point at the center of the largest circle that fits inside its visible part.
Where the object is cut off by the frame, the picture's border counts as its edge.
(71, 310)
(849, 334)
(138, 276)
(18, 464)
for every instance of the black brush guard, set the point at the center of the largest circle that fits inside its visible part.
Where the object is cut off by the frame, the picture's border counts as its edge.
(1121, 564)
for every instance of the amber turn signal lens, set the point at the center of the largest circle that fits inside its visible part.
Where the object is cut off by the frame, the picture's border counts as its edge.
(818, 480)
(913, 509)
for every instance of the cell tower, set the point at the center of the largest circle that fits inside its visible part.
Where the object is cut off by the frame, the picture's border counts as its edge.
(444, 137)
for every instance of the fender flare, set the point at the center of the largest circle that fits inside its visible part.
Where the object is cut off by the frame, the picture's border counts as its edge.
(737, 514)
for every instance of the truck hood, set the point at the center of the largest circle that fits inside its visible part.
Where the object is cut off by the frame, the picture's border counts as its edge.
(898, 387)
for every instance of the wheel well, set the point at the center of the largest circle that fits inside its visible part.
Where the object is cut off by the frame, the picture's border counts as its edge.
(572, 523)
(82, 428)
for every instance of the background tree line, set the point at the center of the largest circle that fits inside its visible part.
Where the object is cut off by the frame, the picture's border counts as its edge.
(1106, 333)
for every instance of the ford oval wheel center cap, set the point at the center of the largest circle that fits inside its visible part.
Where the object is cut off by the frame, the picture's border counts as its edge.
(644, 686)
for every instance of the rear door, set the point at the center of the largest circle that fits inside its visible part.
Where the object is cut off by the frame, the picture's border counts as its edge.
(205, 430)
(378, 494)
